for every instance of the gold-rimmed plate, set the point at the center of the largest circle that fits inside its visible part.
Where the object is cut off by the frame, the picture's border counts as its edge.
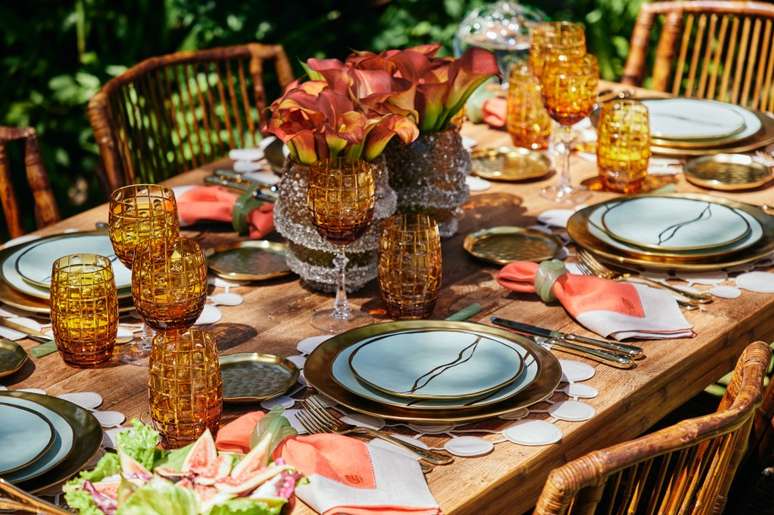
(253, 260)
(12, 357)
(318, 372)
(760, 139)
(727, 172)
(578, 230)
(503, 245)
(87, 437)
(253, 377)
(510, 164)
(33, 305)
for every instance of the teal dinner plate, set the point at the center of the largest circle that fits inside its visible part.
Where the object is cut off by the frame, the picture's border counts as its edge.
(344, 375)
(687, 119)
(24, 436)
(436, 365)
(60, 448)
(35, 262)
(11, 275)
(674, 224)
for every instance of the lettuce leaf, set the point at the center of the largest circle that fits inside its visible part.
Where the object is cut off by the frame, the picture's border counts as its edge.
(270, 431)
(140, 443)
(81, 500)
(160, 497)
(245, 506)
(174, 459)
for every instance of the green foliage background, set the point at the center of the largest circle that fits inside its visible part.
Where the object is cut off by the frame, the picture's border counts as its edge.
(56, 53)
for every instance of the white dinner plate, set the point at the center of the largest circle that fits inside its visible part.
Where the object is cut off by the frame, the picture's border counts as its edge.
(687, 119)
(674, 224)
(344, 376)
(24, 436)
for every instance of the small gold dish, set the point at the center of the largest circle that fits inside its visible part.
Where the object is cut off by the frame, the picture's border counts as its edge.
(510, 164)
(253, 377)
(12, 357)
(254, 260)
(503, 245)
(727, 172)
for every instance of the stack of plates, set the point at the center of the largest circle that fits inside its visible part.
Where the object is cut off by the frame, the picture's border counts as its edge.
(25, 269)
(432, 371)
(45, 440)
(683, 232)
(693, 127)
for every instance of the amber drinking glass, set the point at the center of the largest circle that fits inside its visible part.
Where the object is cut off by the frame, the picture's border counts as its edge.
(140, 216)
(564, 36)
(341, 198)
(84, 309)
(185, 388)
(569, 88)
(410, 265)
(528, 122)
(623, 145)
(169, 284)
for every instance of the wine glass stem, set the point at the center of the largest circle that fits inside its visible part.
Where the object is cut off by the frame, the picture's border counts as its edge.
(147, 336)
(341, 305)
(565, 144)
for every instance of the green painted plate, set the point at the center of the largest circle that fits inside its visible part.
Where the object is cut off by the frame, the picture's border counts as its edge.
(25, 435)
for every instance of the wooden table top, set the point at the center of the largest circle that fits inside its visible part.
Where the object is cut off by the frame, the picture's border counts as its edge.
(275, 316)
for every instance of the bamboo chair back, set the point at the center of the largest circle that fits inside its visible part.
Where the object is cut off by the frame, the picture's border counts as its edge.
(172, 113)
(46, 210)
(721, 50)
(683, 469)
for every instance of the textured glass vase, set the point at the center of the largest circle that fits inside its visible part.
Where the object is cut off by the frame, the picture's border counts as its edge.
(429, 174)
(310, 255)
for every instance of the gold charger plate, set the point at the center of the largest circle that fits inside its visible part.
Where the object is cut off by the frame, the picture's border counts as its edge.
(509, 164)
(503, 245)
(87, 437)
(253, 377)
(22, 302)
(577, 228)
(727, 172)
(12, 357)
(317, 372)
(253, 260)
(763, 137)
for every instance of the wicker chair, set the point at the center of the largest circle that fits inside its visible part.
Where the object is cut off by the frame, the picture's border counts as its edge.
(46, 210)
(172, 113)
(721, 50)
(686, 468)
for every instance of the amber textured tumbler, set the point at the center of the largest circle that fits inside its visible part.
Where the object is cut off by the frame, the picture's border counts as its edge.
(185, 388)
(410, 264)
(623, 145)
(84, 309)
(567, 37)
(169, 284)
(527, 122)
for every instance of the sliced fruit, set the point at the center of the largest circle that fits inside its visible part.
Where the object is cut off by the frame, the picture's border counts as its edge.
(203, 457)
(132, 470)
(250, 483)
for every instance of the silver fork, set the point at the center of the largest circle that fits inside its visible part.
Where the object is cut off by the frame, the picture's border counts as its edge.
(316, 419)
(603, 271)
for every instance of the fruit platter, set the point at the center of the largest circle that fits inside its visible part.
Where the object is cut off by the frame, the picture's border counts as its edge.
(142, 479)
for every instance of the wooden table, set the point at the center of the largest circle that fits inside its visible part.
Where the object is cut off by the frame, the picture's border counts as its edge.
(276, 316)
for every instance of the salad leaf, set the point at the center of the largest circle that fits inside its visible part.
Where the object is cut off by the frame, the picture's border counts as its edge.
(174, 459)
(270, 431)
(160, 497)
(246, 506)
(80, 499)
(140, 443)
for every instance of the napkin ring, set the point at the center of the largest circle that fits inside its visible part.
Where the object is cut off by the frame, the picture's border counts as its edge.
(547, 274)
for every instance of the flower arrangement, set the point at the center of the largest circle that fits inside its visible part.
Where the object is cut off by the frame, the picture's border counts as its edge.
(430, 89)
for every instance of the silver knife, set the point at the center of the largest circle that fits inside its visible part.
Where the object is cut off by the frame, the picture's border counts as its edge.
(602, 356)
(631, 351)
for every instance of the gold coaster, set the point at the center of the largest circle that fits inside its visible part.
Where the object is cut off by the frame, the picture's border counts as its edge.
(503, 245)
(510, 164)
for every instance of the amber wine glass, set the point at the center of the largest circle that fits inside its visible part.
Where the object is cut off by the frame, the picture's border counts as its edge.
(569, 88)
(567, 37)
(169, 284)
(341, 198)
(623, 145)
(84, 309)
(527, 121)
(140, 216)
(409, 267)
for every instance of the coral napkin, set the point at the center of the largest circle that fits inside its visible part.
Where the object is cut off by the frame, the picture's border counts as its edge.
(199, 203)
(495, 111)
(345, 475)
(609, 308)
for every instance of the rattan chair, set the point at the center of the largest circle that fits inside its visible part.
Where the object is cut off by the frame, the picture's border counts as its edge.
(722, 50)
(175, 112)
(685, 469)
(46, 210)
